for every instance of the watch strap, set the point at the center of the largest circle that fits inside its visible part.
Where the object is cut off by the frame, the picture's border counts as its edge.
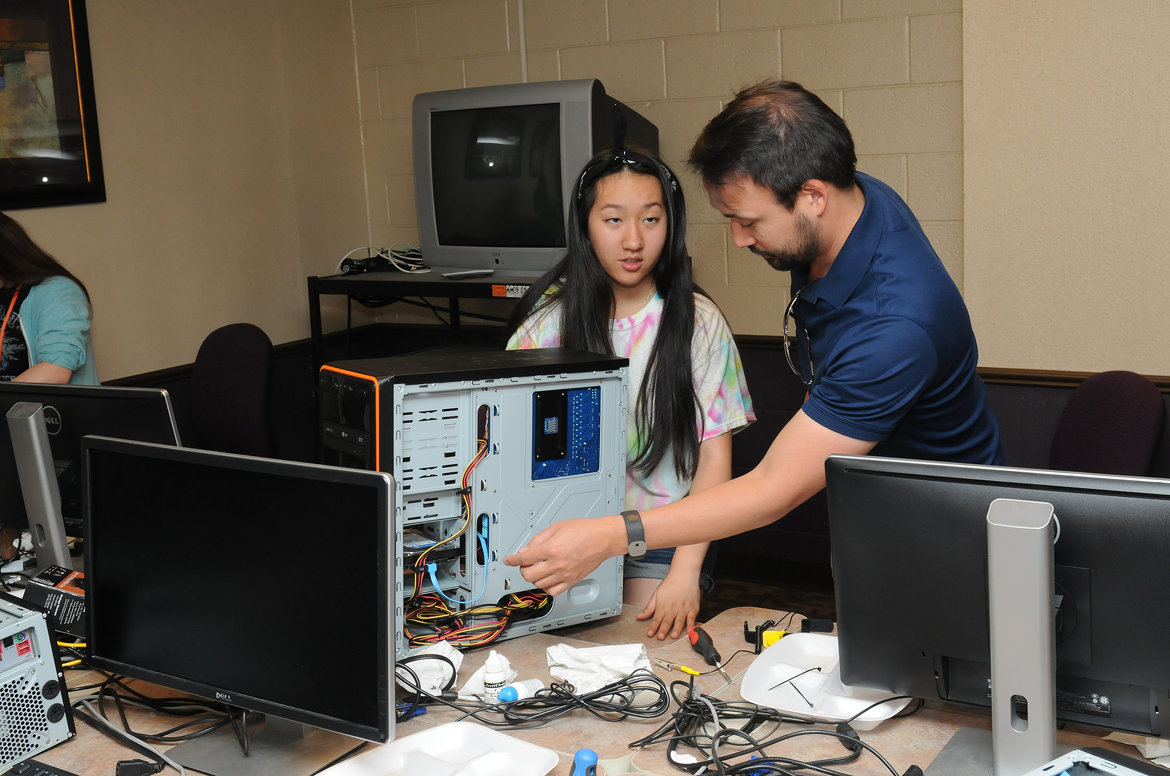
(635, 534)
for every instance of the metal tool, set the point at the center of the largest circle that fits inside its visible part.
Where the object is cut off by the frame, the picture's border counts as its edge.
(701, 642)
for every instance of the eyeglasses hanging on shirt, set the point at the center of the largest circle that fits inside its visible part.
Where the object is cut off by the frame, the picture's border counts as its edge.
(800, 334)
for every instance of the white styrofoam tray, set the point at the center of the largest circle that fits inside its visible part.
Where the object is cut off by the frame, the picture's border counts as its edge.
(452, 749)
(800, 675)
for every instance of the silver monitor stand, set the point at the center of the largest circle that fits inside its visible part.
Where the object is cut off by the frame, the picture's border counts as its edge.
(38, 484)
(1023, 649)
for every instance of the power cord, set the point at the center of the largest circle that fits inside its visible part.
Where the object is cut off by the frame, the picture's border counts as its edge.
(408, 679)
(85, 711)
(731, 737)
(136, 768)
(640, 695)
(405, 258)
(400, 256)
(113, 691)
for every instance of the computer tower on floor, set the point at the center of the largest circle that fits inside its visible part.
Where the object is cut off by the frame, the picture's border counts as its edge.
(34, 706)
(487, 449)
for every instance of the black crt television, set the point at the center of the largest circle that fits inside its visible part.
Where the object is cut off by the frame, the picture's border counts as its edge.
(909, 556)
(72, 412)
(200, 576)
(495, 168)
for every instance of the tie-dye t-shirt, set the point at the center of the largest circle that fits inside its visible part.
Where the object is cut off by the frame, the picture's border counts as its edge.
(719, 383)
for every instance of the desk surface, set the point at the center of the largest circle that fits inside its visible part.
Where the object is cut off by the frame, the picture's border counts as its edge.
(915, 739)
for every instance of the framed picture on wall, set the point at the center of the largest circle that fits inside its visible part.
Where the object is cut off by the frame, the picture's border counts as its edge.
(49, 152)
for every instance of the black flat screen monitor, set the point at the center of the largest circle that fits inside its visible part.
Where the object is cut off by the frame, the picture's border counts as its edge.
(204, 575)
(909, 554)
(71, 412)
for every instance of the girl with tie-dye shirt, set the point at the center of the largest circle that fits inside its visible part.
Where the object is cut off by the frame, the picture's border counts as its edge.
(625, 288)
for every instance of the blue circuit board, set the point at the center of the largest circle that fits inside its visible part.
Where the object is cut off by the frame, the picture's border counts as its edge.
(566, 432)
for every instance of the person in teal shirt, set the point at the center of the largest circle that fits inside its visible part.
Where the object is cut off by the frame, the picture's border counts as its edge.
(44, 315)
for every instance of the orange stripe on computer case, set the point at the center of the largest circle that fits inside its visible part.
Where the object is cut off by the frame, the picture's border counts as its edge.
(377, 409)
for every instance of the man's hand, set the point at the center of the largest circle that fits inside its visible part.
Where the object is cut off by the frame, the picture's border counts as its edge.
(562, 555)
(673, 607)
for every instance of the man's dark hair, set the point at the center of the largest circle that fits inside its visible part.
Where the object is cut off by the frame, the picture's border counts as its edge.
(779, 135)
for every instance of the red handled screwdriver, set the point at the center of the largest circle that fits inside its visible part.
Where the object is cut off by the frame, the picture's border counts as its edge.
(704, 646)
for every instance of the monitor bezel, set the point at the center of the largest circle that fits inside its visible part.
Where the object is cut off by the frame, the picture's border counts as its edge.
(382, 684)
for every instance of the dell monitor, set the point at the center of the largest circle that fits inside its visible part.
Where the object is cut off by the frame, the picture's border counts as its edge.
(71, 412)
(909, 553)
(495, 167)
(199, 575)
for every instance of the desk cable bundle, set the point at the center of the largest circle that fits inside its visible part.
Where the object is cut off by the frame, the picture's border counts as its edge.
(726, 737)
(641, 695)
(401, 257)
(730, 737)
(406, 259)
(92, 709)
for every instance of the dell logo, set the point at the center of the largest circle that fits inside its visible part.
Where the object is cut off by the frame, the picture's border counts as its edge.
(223, 696)
(52, 420)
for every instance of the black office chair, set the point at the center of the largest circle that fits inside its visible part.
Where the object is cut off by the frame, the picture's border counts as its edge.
(228, 401)
(1110, 425)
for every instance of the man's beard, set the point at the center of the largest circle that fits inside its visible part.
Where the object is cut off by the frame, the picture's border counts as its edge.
(807, 249)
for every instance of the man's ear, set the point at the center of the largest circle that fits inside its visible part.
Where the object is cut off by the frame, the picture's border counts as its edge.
(814, 194)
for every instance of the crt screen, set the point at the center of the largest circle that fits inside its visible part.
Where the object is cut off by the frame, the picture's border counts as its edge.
(496, 176)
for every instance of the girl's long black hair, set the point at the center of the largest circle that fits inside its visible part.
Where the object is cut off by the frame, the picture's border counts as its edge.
(667, 409)
(24, 262)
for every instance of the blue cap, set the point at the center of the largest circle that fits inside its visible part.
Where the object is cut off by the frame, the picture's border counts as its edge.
(508, 694)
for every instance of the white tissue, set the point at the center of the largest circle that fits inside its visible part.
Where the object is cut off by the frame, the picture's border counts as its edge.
(591, 668)
(433, 675)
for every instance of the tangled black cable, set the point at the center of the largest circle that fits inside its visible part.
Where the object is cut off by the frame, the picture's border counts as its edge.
(706, 724)
(210, 717)
(640, 695)
(409, 679)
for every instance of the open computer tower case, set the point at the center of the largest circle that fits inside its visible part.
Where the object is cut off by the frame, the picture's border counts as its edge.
(487, 448)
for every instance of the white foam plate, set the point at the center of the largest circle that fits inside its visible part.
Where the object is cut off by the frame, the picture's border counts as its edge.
(452, 749)
(785, 677)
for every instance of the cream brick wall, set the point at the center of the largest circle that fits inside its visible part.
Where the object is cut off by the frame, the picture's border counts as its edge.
(892, 68)
(1068, 183)
(1027, 136)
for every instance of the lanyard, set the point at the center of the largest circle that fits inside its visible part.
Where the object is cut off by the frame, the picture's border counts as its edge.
(7, 315)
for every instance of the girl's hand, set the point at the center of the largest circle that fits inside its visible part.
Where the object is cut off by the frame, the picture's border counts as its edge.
(673, 607)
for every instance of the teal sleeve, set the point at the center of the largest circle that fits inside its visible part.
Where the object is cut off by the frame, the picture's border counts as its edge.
(56, 320)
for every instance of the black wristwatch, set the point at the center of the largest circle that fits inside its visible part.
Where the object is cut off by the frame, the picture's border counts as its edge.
(635, 534)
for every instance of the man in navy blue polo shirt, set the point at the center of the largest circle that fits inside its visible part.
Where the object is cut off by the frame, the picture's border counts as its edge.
(879, 333)
(875, 329)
